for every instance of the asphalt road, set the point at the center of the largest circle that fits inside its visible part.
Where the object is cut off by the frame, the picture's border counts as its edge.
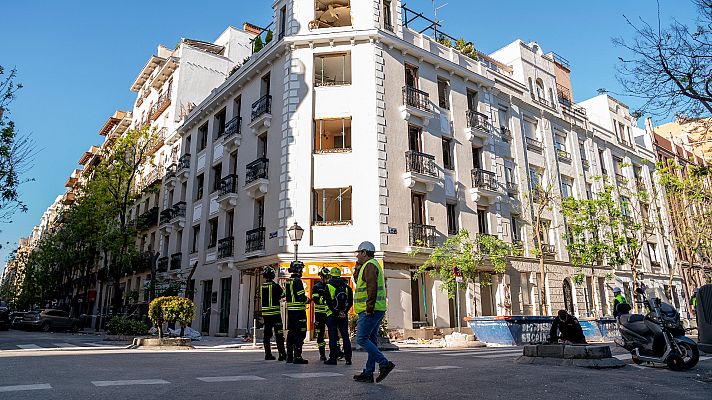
(243, 374)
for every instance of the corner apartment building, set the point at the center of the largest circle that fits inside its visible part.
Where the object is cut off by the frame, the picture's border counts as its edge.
(357, 127)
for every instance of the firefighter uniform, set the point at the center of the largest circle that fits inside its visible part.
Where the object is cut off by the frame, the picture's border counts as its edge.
(319, 294)
(270, 295)
(296, 314)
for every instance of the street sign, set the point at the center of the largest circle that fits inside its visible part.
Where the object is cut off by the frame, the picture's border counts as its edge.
(458, 279)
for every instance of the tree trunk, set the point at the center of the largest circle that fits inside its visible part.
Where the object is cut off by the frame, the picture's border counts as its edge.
(634, 270)
(542, 285)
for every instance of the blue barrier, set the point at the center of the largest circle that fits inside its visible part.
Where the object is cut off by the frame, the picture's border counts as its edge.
(520, 330)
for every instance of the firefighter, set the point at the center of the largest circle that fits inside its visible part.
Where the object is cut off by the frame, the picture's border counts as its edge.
(340, 300)
(319, 296)
(270, 295)
(618, 298)
(296, 313)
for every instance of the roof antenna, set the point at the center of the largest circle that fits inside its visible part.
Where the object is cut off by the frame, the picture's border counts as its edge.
(436, 23)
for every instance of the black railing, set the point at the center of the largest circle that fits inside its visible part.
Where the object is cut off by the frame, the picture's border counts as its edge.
(421, 235)
(262, 106)
(227, 185)
(176, 259)
(421, 163)
(183, 162)
(256, 170)
(162, 265)
(416, 98)
(548, 249)
(179, 210)
(147, 219)
(484, 179)
(535, 145)
(511, 187)
(506, 133)
(476, 119)
(563, 155)
(170, 172)
(388, 26)
(233, 127)
(225, 247)
(166, 216)
(621, 179)
(255, 240)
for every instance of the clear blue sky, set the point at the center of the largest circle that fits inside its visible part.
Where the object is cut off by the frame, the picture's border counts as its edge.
(77, 59)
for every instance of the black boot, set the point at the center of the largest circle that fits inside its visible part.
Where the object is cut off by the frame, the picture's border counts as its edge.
(298, 356)
(290, 354)
(348, 360)
(282, 356)
(331, 361)
(282, 352)
(268, 354)
(322, 354)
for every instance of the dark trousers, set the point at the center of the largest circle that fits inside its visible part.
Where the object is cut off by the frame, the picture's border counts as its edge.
(338, 325)
(297, 329)
(273, 322)
(320, 331)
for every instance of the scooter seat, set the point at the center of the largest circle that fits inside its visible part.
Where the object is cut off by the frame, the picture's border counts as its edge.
(635, 323)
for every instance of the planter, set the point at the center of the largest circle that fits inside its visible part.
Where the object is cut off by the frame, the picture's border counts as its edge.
(184, 343)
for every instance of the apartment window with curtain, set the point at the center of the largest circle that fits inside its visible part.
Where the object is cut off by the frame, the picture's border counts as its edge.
(195, 239)
(482, 221)
(443, 93)
(282, 22)
(567, 187)
(530, 129)
(203, 137)
(332, 69)
(332, 135)
(199, 182)
(217, 176)
(332, 206)
(387, 16)
(212, 233)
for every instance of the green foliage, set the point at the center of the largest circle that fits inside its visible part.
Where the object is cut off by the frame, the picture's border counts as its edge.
(466, 48)
(171, 309)
(469, 255)
(257, 45)
(445, 41)
(120, 325)
(268, 37)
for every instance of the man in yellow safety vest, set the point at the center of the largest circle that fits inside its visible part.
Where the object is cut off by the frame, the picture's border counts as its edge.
(370, 305)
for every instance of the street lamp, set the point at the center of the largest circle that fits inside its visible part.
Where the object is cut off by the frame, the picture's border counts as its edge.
(295, 235)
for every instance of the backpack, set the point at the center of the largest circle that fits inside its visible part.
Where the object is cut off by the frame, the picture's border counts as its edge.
(341, 297)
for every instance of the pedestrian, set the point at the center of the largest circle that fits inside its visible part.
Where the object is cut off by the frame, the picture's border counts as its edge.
(693, 302)
(296, 313)
(370, 305)
(270, 295)
(566, 328)
(618, 299)
(340, 301)
(319, 296)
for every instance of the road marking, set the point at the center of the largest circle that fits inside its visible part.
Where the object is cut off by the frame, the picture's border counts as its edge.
(130, 382)
(29, 346)
(498, 355)
(439, 367)
(308, 375)
(623, 357)
(18, 388)
(230, 378)
(96, 344)
(65, 345)
(502, 353)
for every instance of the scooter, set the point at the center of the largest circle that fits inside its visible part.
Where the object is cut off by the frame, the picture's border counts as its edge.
(658, 336)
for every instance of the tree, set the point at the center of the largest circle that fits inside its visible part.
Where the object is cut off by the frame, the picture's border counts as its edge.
(469, 255)
(687, 194)
(171, 309)
(669, 67)
(257, 44)
(16, 151)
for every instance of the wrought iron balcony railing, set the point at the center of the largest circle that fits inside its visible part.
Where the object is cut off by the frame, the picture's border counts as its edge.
(255, 240)
(262, 106)
(421, 235)
(484, 179)
(416, 98)
(477, 120)
(225, 247)
(257, 169)
(421, 163)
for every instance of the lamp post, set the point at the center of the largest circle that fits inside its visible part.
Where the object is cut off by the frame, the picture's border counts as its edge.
(295, 235)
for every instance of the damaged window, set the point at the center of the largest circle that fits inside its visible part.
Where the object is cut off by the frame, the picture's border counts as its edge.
(331, 14)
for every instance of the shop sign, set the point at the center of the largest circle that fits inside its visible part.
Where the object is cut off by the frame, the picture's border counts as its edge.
(312, 268)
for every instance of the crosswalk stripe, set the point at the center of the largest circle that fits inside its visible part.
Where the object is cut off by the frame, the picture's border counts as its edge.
(130, 382)
(17, 388)
(439, 367)
(65, 345)
(236, 378)
(484, 353)
(96, 344)
(29, 346)
(308, 375)
(497, 355)
(446, 351)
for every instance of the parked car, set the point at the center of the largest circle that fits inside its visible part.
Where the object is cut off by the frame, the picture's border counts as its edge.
(4, 316)
(49, 320)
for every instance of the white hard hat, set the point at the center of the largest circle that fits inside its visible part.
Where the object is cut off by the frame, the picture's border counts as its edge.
(368, 246)
(616, 290)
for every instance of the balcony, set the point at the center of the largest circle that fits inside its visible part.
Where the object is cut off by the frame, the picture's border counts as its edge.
(261, 114)
(586, 165)
(512, 188)
(226, 247)
(157, 140)
(255, 242)
(162, 264)
(478, 126)
(233, 134)
(178, 214)
(420, 168)
(147, 219)
(535, 145)
(256, 178)
(227, 191)
(183, 167)
(655, 266)
(166, 217)
(421, 235)
(176, 260)
(621, 179)
(563, 156)
(549, 250)
(161, 105)
(154, 176)
(416, 107)
(169, 179)
(484, 185)
(505, 133)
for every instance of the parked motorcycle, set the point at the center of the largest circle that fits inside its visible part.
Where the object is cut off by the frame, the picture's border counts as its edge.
(658, 336)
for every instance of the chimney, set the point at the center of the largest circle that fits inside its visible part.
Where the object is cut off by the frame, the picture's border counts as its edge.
(251, 29)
